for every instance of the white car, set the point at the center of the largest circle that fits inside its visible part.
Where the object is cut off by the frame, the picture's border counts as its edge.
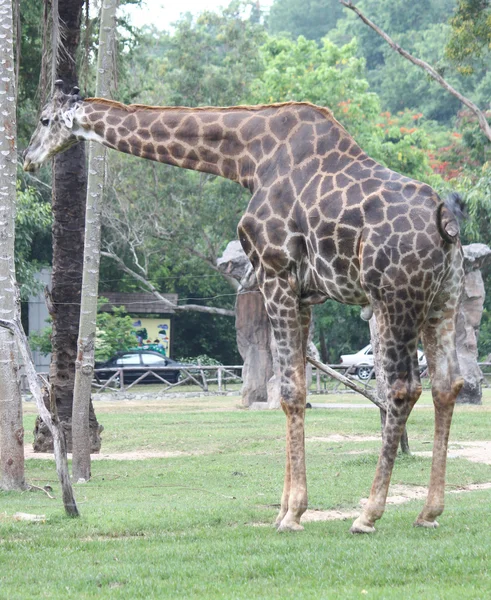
(362, 362)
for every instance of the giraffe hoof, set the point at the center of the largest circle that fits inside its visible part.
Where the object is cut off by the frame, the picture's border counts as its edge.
(427, 524)
(362, 526)
(279, 519)
(289, 526)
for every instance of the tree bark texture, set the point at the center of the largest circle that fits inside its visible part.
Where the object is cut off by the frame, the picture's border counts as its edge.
(252, 326)
(68, 203)
(84, 365)
(11, 428)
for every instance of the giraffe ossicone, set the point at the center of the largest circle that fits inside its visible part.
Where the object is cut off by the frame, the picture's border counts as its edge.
(325, 221)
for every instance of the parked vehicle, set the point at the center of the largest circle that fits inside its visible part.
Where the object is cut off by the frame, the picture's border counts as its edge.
(362, 362)
(136, 363)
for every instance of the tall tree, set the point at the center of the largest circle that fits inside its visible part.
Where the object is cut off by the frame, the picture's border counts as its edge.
(11, 429)
(92, 251)
(68, 203)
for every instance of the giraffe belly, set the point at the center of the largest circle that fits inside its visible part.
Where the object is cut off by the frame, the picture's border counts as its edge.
(323, 282)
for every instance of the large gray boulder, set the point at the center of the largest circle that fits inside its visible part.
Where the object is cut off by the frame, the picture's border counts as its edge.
(252, 327)
(253, 341)
(469, 320)
(256, 344)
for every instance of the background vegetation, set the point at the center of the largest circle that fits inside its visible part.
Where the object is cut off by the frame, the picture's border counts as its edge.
(176, 223)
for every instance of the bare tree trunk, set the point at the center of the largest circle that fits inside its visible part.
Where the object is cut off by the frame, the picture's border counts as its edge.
(11, 428)
(84, 366)
(14, 328)
(68, 203)
(481, 117)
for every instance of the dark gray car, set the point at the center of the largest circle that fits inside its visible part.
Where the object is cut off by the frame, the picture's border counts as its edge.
(136, 363)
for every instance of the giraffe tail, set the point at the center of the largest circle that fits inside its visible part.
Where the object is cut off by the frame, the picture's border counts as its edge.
(450, 214)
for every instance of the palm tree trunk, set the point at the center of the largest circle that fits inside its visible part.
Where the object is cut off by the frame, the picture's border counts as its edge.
(68, 203)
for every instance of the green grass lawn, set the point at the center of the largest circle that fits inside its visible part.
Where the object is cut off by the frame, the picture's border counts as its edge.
(198, 524)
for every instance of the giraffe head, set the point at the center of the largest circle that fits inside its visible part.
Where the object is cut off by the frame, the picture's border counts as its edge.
(55, 130)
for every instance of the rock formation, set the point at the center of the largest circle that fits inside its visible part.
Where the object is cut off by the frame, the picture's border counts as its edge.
(468, 321)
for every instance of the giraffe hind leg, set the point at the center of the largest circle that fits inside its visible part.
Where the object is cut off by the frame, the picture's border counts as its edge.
(399, 359)
(439, 343)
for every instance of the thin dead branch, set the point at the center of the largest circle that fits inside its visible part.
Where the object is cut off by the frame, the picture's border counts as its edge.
(40, 489)
(148, 286)
(348, 382)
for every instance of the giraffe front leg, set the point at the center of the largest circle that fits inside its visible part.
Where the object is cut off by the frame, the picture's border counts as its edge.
(289, 322)
(287, 484)
(294, 392)
(296, 501)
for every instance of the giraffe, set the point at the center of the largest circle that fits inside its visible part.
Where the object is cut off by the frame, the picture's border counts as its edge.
(325, 221)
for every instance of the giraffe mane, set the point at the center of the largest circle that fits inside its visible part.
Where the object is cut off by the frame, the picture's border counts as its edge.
(251, 107)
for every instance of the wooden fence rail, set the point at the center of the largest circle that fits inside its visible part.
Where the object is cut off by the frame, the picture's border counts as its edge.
(202, 377)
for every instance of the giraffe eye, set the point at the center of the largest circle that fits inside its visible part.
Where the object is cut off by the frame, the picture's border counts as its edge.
(45, 121)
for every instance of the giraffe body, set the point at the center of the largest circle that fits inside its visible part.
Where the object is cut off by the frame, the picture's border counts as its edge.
(325, 221)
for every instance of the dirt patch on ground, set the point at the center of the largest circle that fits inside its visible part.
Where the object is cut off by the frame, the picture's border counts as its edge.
(398, 494)
(473, 451)
(136, 455)
(339, 438)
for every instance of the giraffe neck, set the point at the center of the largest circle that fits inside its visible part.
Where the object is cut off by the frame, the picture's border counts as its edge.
(221, 141)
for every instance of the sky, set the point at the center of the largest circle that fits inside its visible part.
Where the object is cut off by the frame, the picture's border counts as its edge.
(162, 13)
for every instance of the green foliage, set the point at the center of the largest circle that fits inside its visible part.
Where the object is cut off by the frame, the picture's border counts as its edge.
(395, 18)
(32, 239)
(470, 40)
(41, 340)
(310, 18)
(327, 75)
(199, 334)
(333, 76)
(212, 60)
(201, 359)
(339, 329)
(114, 331)
(31, 21)
(404, 85)
(477, 193)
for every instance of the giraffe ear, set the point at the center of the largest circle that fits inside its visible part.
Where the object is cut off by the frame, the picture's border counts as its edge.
(67, 117)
